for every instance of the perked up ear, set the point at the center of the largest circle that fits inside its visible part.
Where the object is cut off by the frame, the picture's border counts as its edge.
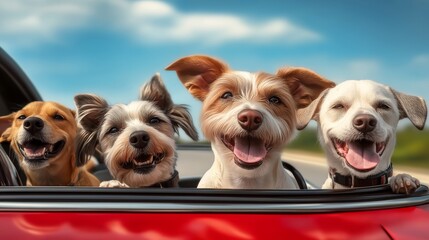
(181, 117)
(412, 107)
(311, 112)
(155, 91)
(90, 114)
(90, 110)
(197, 72)
(304, 84)
(5, 127)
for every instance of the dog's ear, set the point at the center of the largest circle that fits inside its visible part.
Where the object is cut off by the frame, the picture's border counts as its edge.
(90, 114)
(304, 84)
(181, 117)
(5, 127)
(311, 112)
(411, 107)
(197, 73)
(90, 110)
(155, 91)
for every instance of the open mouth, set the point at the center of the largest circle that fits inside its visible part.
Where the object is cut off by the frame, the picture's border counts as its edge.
(37, 150)
(143, 163)
(362, 155)
(249, 152)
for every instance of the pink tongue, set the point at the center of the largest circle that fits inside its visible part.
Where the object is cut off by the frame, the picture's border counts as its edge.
(362, 156)
(249, 150)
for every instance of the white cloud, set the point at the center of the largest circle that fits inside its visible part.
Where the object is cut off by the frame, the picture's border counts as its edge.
(147, 21)
(157, 21)
(29, 22)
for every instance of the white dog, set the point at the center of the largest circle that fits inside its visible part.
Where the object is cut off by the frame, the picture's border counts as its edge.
(357, 123)
(248, 117)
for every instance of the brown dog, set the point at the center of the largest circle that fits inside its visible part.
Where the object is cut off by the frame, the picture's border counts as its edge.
(42, 134)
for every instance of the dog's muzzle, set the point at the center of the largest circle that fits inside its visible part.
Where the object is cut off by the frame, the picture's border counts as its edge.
(361, 155)
(38, 150)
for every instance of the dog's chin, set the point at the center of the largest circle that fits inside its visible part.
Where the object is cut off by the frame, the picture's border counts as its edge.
(36, 152)
(362, 155)
(143, 163)
(249, 152)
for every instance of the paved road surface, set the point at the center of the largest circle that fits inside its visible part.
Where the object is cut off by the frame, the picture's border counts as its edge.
(195, 162)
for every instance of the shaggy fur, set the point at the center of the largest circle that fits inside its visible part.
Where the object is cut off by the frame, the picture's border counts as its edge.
(136, 140)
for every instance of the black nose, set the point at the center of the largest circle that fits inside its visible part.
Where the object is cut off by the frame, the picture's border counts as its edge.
(139, 139)
(33, 124)
(364, 123)
(249, 120)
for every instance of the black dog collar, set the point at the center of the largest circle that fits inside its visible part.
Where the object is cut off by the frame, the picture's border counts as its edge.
(352, 181)
(172, 182)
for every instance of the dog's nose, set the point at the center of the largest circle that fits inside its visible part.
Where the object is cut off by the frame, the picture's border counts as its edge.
(250, 120)
(364, 123)
(33, 124)
(139, 139)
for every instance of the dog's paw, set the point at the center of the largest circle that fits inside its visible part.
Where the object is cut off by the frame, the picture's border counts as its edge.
(404, 183)
(113, 184)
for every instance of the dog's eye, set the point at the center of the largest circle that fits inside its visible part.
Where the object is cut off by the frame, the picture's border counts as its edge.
(154, 120)
(338, 106)
(113, 130)
(22, 117)
(58, 117)
(226, 95)
(274, 100)
(383, 106)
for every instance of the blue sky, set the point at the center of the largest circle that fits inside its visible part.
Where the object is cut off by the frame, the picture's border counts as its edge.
(111, 47)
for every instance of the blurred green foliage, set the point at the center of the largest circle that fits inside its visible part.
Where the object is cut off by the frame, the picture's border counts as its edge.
(412, 146)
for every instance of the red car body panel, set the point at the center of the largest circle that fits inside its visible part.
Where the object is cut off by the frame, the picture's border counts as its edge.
(401, 223)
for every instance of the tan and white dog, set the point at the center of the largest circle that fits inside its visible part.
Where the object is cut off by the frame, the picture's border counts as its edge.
(357, 123)
(137, 139)
(42, 135)
(248, 118)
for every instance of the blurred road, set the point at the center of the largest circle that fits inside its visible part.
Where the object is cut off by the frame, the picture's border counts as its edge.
(195, 162)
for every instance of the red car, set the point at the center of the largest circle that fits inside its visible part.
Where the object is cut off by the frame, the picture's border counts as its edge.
(190, 213)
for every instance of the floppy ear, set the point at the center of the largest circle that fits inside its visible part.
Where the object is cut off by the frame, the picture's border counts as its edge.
(197, 72)
(411, 107)
(311, 112)
(304, 84)
(155, 91)
(5, 127)
(90, 114)
(181, 117)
